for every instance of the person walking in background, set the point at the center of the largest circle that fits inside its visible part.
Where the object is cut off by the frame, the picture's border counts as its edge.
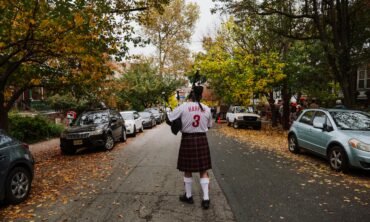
(194, 155)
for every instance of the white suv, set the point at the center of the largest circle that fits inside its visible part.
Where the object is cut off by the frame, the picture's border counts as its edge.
(133, 122)
(239, 116)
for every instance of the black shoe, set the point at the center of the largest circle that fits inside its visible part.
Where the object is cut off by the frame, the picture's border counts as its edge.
(185, 199)
(205, 204)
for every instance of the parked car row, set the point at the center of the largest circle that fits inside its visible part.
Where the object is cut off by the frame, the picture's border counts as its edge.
(95, 128)
(102, 128)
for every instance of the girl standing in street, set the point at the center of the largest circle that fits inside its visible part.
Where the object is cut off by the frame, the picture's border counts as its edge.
(194, 154)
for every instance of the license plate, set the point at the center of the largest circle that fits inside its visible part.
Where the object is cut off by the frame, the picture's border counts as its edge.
(77, 142)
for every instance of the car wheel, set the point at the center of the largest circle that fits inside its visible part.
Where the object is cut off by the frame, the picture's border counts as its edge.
(109, 142)
(293, 144)
(18, 185)
(124, 135)
(338, 159)
(228, 122)
(235, 124)
(68, 150)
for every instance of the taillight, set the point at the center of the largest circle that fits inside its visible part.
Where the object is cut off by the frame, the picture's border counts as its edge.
(26, 146)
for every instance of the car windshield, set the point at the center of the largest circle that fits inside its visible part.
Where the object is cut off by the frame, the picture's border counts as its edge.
(92, 118)
(154, 111)
(127, 116)
(145, 115)
(351, 120)
(242, 109)
(4, 139)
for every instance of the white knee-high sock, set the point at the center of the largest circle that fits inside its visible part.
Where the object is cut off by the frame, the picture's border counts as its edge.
(204, 182)
(187, 182)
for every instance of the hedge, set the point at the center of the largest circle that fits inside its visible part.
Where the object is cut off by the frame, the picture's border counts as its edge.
(33, 129)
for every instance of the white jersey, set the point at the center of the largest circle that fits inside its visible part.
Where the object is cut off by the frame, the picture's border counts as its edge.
(193, 119)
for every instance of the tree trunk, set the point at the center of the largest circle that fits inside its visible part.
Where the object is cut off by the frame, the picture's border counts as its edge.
(4, 122)
(273, 110)
(286, 105)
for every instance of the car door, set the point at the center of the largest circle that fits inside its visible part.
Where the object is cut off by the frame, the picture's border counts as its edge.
(320, 137)
(138, 121)
(116, 124)
(229, 114)
(304, 127)
(6, 144)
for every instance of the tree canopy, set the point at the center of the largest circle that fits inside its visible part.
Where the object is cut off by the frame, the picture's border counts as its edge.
(59, 44)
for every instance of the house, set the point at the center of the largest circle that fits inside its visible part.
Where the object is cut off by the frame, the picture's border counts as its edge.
(363, 81)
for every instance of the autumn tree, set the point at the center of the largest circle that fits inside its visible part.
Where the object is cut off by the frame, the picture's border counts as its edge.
(58, 44)
(170, 32)
(143, 87)
(341, 27)
(233, 67)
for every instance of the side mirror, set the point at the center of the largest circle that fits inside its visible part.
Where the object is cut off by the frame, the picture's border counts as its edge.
(328, 128)
(136, 116)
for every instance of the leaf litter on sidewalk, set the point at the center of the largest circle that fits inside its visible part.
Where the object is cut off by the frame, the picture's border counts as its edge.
(275, 140)
(60, 178)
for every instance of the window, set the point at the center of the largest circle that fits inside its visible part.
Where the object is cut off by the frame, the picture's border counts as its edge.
(363, 77)
(307, 117)
(319, 118)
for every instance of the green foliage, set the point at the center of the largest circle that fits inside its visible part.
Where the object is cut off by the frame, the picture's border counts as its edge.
(33, 129)
(234, 72)
(66, 102)
(143, 87)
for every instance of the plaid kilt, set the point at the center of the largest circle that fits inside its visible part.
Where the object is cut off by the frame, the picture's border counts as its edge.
(194, 155)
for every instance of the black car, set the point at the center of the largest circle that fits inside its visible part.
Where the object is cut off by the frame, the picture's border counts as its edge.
(156, 113)
(148, 119)
(16, 169)
(98, 128)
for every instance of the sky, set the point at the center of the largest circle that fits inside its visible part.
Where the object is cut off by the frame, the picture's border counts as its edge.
(206, 25)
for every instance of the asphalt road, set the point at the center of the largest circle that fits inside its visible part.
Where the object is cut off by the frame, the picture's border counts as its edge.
(144, 186)
(261, 186)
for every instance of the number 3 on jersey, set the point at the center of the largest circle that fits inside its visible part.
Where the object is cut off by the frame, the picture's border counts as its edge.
(196, 120)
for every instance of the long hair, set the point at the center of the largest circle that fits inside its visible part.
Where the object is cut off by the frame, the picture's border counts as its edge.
(196, 93)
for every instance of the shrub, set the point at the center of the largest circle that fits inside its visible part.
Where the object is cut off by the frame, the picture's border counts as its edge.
(32, 129)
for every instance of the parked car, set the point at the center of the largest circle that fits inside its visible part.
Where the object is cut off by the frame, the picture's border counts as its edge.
(16, 169)
(98, 128)
(148, 119)
(133, 122)
(341, 136)
(157, 115)
(241, 116)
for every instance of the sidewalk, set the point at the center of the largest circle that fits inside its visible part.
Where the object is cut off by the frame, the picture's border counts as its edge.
(44, 145)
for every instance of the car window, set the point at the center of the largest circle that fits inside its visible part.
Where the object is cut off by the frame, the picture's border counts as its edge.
(4, 139)
(320, 118)
(351, 120)
(92, 118)
(144, 114)
(127, 116)
(307, 117)
(116, 114)
(242, 109)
